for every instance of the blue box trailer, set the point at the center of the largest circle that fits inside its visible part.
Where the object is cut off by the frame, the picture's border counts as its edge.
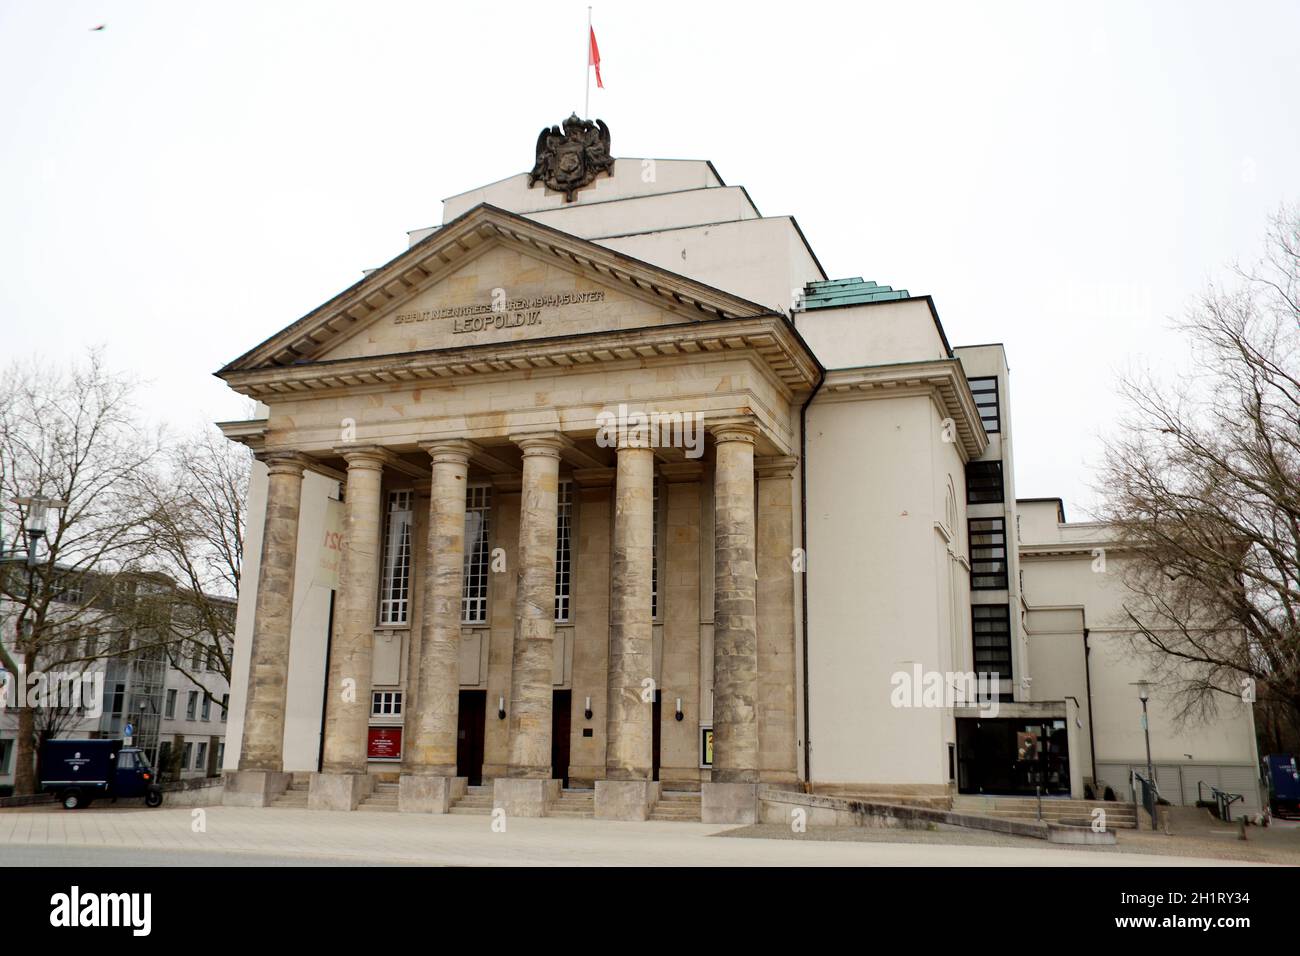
(1283, 784)
(82, 771)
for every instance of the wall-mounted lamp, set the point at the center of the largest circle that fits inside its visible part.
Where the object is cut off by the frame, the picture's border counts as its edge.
(678, 715)
(587, 709)
(501, 708)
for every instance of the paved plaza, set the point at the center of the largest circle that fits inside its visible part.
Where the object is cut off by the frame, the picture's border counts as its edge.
(234, 836)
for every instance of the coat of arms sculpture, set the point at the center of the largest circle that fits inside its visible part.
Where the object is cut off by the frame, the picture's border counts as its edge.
(570, 159)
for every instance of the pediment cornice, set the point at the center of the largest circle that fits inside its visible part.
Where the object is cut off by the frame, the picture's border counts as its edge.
(769, 337)
(460, 241)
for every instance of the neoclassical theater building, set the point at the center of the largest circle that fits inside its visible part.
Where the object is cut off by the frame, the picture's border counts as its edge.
(604, 484)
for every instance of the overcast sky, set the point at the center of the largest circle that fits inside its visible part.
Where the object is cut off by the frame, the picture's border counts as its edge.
(1062, 178)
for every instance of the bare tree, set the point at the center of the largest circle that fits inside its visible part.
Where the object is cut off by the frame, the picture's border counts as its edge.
(196, 522)
(68, 433)
(1204, 484)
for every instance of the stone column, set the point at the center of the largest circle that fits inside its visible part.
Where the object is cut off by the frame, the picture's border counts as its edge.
(345, 782)
(628, 753)
(429, 782)
(261, 773)
(732, 795)
(528, 787)
(777, 730)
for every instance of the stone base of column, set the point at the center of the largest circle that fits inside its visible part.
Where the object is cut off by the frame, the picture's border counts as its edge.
(778, 776)
(729, 802)
(524, 796)
(421, 793)
(625, 799)
(253, 788)
(338, 791)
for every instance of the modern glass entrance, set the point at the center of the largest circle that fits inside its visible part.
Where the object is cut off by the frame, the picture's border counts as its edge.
(1013, 755)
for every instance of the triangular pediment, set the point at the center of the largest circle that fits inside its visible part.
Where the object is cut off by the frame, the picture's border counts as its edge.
(503, 295)
(492, 277)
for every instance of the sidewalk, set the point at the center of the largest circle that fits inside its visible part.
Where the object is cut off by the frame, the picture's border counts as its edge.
(365, 838)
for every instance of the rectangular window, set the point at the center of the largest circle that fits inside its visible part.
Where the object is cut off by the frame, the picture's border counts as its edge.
(119, 698)
(474, 591)
(985, 392)
(186, 752)
(191, 705)
(196, 661)
(395, 579)
(221, 753)
(654, 550)
(992, 634)
(386, 703)
(988, 553)
(201, 757)
(983, 482)
(207, 707)
(170, 709)
(6, 747)
(225, 705)
(563, 552)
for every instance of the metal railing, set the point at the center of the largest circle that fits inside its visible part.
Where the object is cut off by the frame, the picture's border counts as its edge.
(1150, 794)
(1222, 799)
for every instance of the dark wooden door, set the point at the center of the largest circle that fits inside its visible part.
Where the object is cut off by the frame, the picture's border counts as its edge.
(561, 701)
(657, 714)
(469, 735)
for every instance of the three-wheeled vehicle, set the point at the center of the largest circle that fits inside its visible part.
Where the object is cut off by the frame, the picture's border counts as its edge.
(82, 771)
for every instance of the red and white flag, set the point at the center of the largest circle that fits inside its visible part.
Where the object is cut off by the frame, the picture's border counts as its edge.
(593, 56)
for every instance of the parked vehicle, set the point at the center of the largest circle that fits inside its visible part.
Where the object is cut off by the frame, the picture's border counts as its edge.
(82, 771)
(1283, 785)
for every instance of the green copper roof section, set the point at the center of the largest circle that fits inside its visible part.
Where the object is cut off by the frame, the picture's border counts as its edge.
(854, 291)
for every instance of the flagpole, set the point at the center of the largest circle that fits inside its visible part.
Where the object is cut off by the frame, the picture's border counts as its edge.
(586, 76)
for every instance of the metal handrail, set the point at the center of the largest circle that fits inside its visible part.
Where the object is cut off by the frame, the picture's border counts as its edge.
(1150, 794)
(1222, 799)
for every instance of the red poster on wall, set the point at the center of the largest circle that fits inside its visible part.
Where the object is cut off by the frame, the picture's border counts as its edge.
(384, 743)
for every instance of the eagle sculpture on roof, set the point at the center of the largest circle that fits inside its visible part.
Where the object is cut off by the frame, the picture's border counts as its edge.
(571, 157)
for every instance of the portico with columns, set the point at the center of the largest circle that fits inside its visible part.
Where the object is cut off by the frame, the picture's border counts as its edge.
(515, 539)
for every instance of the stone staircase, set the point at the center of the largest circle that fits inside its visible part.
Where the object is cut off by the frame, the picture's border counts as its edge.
(295, 798)
(574, 803)
(382, 799)
(1119, 816)
(477, 801)
(677, 805)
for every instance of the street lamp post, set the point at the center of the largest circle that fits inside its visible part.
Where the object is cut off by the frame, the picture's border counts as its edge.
(36, 514)
(1144, 694)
